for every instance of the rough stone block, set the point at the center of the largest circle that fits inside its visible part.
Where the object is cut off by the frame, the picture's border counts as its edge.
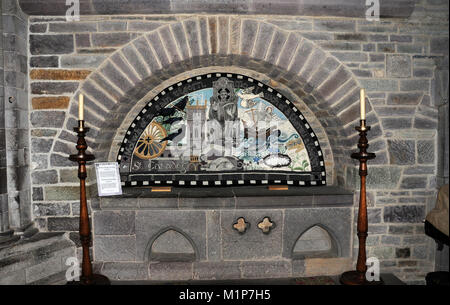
(44, 61)
(63, 223)
(144, 26)
(266, 269)
(38, 28)
(50, 102)
(351, 56)
(47, 74)
(334, 25)
(420, 252)
(402, 152)
(60, 161)
(396, 123)
(439, 45)
(413, 182)
(44, 177)
(73, 27)
(381, 85)
(425, 151)
(41, 145)
(114, 222)
(53, 119)
(405, 213)
(82, 61)
(404, 98)
(83, 40)
(166, 271)
(55, 88)
(112, 26)
(402, 252)
(125, 271)
(424, 123)
(61, 193)
(51, 209)
(390, 240)
(38, 194)
(115, 248)
(216, 270)
(415, 85)
(327, 266)
(51, 44)
(110, 39)
(381, 252)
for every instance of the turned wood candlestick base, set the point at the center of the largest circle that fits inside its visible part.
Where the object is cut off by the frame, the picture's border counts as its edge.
(358, 276)
(87, 277)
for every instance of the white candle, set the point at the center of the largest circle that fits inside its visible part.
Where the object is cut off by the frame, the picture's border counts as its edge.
(363, 104)
(81, 107)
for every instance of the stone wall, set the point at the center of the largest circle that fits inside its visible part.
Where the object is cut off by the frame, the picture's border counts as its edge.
(15, 195)
(394, 59)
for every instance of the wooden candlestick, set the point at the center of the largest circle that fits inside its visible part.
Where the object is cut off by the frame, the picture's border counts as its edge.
(358, 277)
(87, 277)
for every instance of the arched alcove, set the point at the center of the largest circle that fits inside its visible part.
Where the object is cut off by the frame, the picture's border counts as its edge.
(170, 244)
(315, 242)
(311, 75)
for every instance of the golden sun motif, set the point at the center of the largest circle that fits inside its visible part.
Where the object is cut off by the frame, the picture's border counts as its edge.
(149, 145)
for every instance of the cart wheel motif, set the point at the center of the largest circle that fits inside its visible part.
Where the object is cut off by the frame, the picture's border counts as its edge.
(149, 145)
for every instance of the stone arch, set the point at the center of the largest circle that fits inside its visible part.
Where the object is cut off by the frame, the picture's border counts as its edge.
(312, 75)
(182, 242)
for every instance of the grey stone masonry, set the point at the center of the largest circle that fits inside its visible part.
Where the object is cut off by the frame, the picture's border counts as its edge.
(120, 62)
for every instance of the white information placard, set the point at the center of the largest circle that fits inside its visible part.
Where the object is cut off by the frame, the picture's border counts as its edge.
(108, 179)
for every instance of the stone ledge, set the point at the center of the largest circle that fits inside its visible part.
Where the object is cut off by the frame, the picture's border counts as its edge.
(38, 260)
(338, 8)
(229, 198)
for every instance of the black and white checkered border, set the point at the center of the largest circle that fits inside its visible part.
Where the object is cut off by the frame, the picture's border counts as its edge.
(320, 181)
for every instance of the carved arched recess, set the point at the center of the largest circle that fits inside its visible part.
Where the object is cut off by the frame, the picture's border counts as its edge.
(319, 84)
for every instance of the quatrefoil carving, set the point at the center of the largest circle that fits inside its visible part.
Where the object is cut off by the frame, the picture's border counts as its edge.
(241, 225)
(266, 225)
